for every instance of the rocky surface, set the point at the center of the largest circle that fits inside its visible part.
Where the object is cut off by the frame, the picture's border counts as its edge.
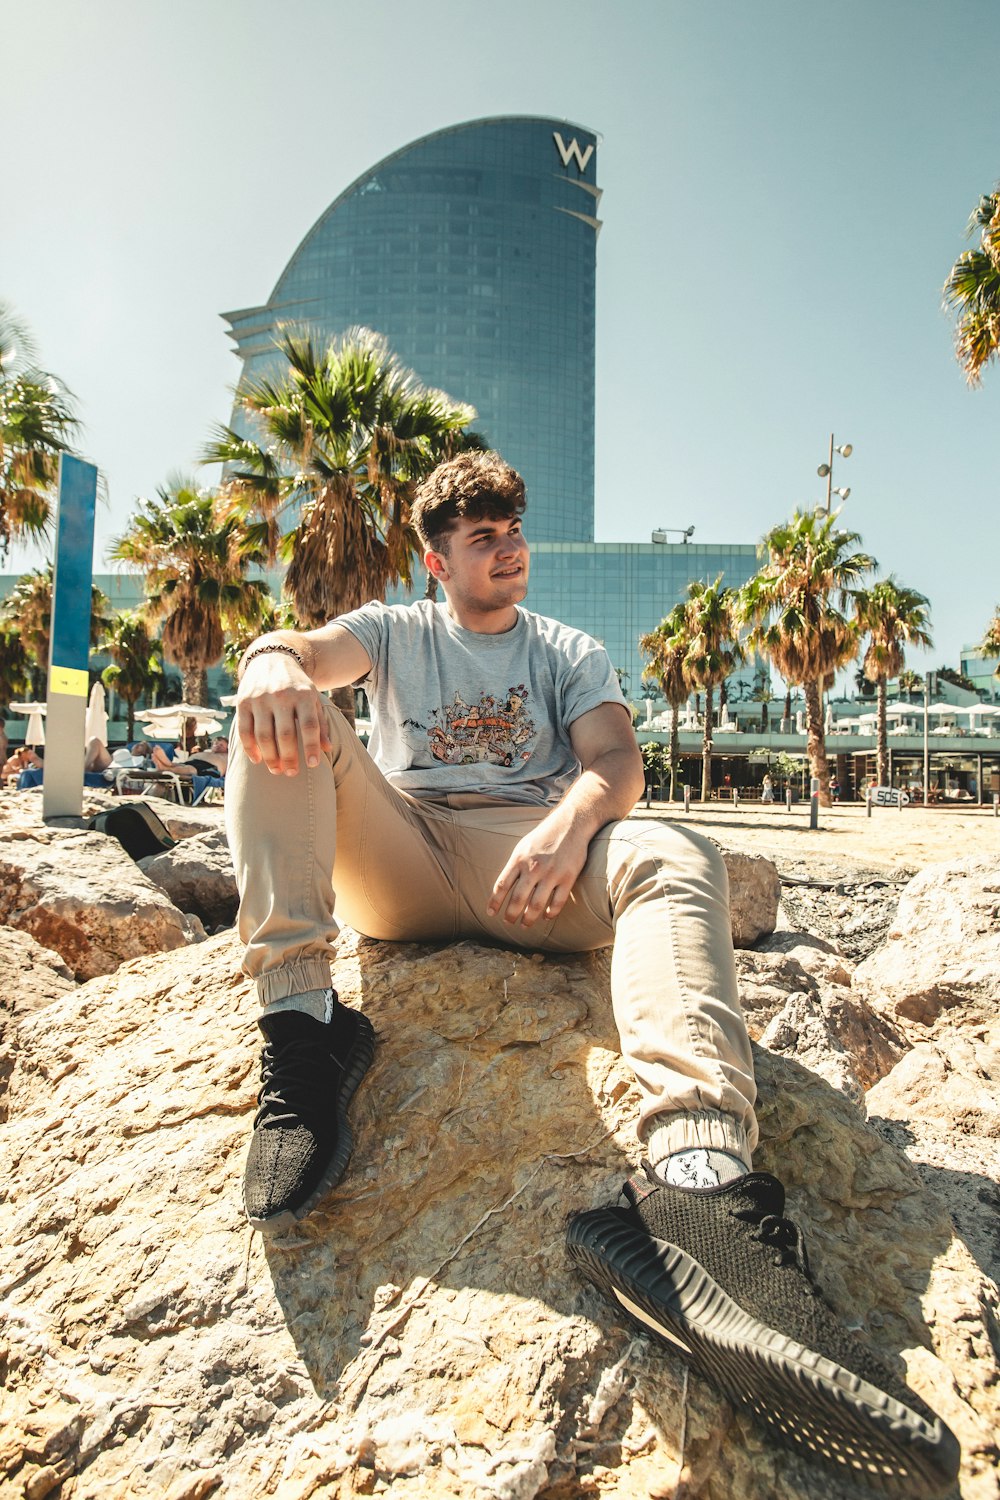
(423, 1335)
(944, 947)
(852, 907)
(754, 893)
(79, 894)
(198, 877)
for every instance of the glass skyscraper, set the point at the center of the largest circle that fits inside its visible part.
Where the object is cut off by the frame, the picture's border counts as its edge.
(473, 251)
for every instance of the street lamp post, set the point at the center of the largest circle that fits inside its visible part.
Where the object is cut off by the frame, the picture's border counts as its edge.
(825, 471)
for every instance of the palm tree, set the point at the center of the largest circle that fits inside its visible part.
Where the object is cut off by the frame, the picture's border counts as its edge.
(29, 607)
(973, 292)
(909, 683)
(136, 668)
(15, 673)
(36, 426)
(795, 605)
(274, 615)
(196, 564)
(990, 644)
(893, 617)
(714, 650)
(346, 435)
(667, 647)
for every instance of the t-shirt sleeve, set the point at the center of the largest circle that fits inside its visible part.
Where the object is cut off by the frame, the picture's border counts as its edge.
(369, 625)
(590, 681)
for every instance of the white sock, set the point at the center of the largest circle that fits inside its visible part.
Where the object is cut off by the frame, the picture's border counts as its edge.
(316, 1003)
(700, 1167)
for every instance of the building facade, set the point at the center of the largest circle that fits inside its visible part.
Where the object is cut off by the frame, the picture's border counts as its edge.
(473, 250)
(982, 671)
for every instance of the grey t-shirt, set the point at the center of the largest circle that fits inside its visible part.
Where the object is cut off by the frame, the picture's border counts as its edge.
(456, 711)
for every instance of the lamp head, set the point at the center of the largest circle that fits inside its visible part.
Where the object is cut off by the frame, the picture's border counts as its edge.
(823, 470)
(845, 450)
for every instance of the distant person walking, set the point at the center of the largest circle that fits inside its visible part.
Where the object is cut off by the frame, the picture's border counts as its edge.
(767, 789)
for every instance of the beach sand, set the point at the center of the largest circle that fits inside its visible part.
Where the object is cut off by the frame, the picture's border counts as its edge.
(891, 838)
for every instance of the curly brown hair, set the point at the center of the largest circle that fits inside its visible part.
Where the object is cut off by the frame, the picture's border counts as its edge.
(474, 486)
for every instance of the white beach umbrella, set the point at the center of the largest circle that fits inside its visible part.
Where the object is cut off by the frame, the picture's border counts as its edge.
(34, 734)
(172, 727)
(168, 723)
(96, 723)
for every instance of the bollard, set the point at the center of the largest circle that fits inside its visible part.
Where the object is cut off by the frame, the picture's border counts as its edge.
(996, 804)
(788, 799)
(649, 790)
(736, 797)
(687, 798)
(814, 802)
(868, 800)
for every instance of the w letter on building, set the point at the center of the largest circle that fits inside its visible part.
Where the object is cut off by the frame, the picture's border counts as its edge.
(572, 152)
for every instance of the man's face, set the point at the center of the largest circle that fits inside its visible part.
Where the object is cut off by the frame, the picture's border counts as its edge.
(486, 565)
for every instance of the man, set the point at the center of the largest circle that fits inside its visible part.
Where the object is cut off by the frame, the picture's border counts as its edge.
(211, 762)
(495, 804)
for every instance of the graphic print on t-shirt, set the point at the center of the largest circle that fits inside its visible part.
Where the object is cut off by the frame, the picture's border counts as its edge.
(496, 730)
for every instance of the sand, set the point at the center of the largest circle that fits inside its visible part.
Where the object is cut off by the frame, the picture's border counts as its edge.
(889, 839)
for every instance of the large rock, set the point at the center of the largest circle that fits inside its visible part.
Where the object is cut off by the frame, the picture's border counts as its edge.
(424, 1334)
(754, 894)
(79, 893)
(941, 1102)
(198, 877)
(30, 977)
(944, 948)
(797, 1001)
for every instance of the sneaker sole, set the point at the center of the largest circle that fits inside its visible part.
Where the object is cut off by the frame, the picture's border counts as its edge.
(359, 1061)
(808, 1402)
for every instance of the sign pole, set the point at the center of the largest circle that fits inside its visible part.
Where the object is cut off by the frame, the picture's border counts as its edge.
(69, 653)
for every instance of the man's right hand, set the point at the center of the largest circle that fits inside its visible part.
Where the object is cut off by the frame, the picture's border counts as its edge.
(278, 699)
(276, 702)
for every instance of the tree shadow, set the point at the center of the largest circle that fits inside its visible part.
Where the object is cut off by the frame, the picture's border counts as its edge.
(482, 1126)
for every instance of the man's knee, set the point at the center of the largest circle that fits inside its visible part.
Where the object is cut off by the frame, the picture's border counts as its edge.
(676, 849)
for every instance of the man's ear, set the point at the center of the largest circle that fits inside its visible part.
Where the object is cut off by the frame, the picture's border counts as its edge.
(435, 564)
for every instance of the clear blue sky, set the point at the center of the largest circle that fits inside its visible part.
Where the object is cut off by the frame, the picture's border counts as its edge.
(786, 187)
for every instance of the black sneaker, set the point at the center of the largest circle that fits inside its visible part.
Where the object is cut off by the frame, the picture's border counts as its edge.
(301, 1140)
(721, 1276)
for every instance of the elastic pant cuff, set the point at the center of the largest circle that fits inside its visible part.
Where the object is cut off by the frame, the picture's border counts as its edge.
(665, 1134)
(291, 981)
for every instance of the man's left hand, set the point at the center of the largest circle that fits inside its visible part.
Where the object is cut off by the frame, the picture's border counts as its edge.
(537, 879)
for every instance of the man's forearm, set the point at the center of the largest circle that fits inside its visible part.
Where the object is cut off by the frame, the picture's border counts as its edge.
(605, 792)
(293, 643)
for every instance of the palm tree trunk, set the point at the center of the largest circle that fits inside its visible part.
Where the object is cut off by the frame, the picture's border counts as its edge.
(706, 747)
(675, 748)
(194, 686)
(882, 734)
(130, 719)
(343, 698)
(816, 740)
(786, 717)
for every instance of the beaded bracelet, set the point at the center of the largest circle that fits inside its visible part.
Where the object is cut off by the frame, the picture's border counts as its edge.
(272, 646)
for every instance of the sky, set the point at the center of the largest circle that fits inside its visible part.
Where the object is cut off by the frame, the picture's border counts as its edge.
(786, 187)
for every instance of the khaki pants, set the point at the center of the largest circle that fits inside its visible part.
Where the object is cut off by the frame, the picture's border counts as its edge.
(410, 870)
